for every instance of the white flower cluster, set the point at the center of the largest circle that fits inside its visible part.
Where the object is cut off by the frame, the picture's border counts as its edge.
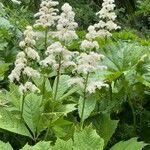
(107, 17)
(76, 81)
(28, 43)
(87, 64)
(91, 88)
(28, 86)
(55, 51)
(89, 45)
(47, 14)
(103, 28)
(66, 25)
(21, 64)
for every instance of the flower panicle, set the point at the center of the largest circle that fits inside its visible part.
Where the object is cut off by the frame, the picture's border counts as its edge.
(47, 15)
(23, 59)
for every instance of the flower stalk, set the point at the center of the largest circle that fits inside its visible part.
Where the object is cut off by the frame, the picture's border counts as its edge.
(22, 106)
(58, 78)
(84, 101)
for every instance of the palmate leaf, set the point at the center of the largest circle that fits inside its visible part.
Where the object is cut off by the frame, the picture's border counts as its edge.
(9, 122)
(4, 23)
(39, 146)
(131, 144)
(5, 146)
(90, 103)
(105, 126)
(88, 139)
(63, 145)
(32, 111)
(123, 56)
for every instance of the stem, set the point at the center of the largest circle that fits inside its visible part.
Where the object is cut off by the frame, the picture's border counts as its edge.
(57, 81)
(84, 100)
(110, 92)
(46, 37)
(44, 80)
(133, 113)
(55, 96)
(45, 137)
(43, 88)
(23, 100)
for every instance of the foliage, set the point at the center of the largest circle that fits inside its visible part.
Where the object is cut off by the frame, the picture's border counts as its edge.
(130, 144)
(115, 118)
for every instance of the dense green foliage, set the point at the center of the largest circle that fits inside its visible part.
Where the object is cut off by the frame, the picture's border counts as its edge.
(115, 118)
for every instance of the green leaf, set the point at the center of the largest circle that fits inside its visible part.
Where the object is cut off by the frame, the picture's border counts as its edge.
(131, 144)
(5, 146)
(88, 139)
(62, 87)
(10, 122)
(65, 108)
(113, 76)
(63, 145)
(62, 127)
(32, 111)
(39, 84)
(39, 146)
(13, 96)
(90, 103)
(70, 92)
(3, 68)
(123, 56)
(105, 126)
(4, 23)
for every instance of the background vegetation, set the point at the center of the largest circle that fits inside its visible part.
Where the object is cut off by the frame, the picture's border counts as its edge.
(128, 100)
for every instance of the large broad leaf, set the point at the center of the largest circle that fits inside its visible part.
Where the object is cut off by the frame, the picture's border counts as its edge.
(39, 146)
(90, 103)
(32, 111)
(39, 84)
(4, 23)
(123, 56)
(88, 139)
(65, 108)
(131, 144)
(13, 96)
(3, 68)
(63, 128)
(5, 146)
(63, 145)
(62, 87)
(69, 92)
(9, 122)
(105, 126)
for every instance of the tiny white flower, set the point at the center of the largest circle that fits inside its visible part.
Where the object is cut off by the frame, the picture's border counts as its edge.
(22, 44)
(91, 88)
(31, 53)
(85, 45)
(30, 72)
(28, 86)
(75, 81)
